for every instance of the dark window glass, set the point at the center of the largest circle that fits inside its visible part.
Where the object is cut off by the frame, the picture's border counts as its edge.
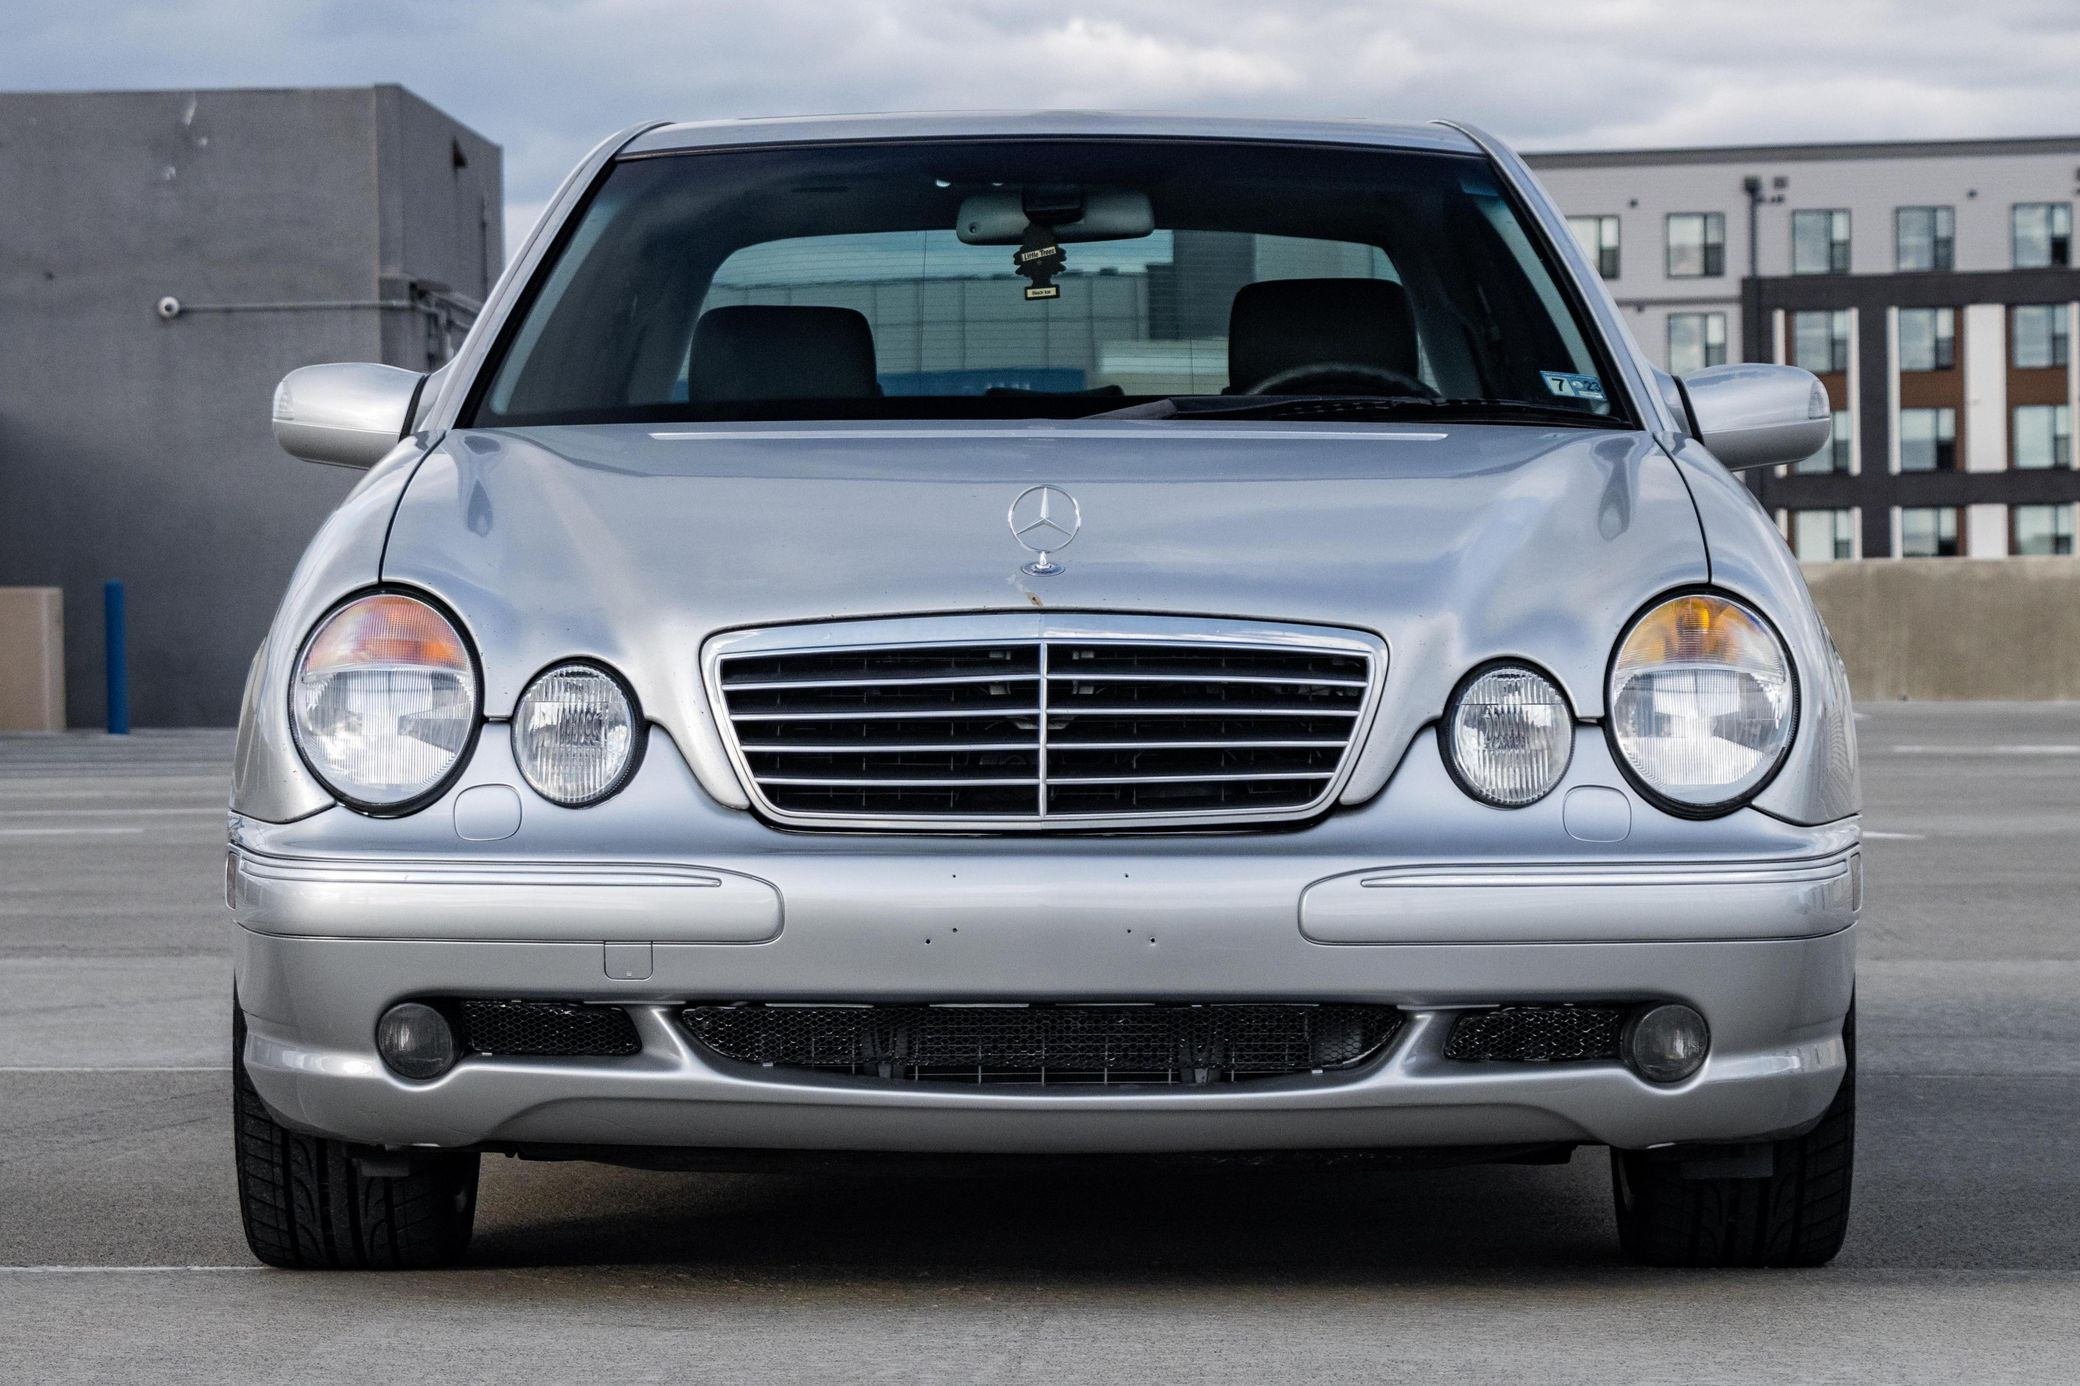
(1820, 340)
(2043, 234)
(1696, 245)
(1820, 242)
(1599, 239)
(1925, 238)
(1927, 339)
(2039, 335)
(1834, 455)
(1928, 440)
(1928, 532)
(1821, 536)
(1695, 340)
(2041, 530)
(740, 284)
(2042, 436)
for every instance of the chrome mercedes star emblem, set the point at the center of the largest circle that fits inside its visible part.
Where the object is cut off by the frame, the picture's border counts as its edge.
(1045, 519)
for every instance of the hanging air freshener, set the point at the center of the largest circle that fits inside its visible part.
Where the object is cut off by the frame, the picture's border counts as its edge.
(1039, 259)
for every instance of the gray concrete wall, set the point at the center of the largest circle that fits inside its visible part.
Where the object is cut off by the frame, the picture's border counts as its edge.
(1947, 628)
(138, 449)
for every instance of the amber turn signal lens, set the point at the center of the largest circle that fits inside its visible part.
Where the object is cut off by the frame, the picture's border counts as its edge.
(1691, 628)
(387, 629)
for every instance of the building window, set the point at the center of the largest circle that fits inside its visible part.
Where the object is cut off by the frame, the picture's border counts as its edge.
(2043, 234)
(2040, 530)
(2043, 436)
(1928, 532)
(1599, 238)
(1927, 339)
(2037, 336)
(1822, 536)
(1925, 238)
(1695, 340)
(1835, 454)
(1820, 242)
(1928, 440)
(1820, 341)
(1696, 245)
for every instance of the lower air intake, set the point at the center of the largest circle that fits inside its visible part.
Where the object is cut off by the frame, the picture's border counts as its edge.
(1536, 1034)
(1050, 1044)
(544, 1029)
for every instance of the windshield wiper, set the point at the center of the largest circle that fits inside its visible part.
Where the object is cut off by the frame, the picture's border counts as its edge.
(1353, 407)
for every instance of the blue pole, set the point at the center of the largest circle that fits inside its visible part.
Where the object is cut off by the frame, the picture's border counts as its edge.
(115, 629)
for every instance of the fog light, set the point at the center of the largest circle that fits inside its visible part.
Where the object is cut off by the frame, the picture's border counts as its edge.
(415, 1041)
(1666, 1044)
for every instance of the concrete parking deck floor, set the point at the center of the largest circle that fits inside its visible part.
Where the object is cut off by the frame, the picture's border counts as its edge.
(120, 1255)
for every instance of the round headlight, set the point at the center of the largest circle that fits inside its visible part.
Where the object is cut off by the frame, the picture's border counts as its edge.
(1703, 703)
(574, 735)
(384, 700)
(1508, 736)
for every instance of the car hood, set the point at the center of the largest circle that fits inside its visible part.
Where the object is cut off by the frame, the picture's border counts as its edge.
(633, 544)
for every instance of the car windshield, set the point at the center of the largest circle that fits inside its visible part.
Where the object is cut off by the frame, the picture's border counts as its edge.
(1050, 279)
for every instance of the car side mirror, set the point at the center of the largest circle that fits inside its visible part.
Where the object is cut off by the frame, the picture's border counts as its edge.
(1756, 415)
(347, 414)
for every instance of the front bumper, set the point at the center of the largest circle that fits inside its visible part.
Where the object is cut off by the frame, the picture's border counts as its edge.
(1747, 919)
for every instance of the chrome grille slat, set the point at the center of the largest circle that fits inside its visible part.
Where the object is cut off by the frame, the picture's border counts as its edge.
(1211, 777)
(1091, 676)
(773, 685)
(891, 782)
(1159, 722)
(900, 748)
(1056, 743)
(1207, 711)
(829, 716)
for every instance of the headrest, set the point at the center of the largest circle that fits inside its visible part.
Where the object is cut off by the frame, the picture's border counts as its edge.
(769, 351)
(1277, 324)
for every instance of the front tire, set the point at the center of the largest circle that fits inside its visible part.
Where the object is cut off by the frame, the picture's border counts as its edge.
(307, 1203)
(1796, 1215)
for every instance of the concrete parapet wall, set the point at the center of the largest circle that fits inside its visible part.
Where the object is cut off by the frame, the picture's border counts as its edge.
(1950, 628)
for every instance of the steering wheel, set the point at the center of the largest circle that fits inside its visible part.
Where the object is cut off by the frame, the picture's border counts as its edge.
(1340, 378)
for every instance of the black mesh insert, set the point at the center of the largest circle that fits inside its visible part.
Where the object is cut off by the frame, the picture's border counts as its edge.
(1048, 1044)
(544, 1029)
(1536, 1034)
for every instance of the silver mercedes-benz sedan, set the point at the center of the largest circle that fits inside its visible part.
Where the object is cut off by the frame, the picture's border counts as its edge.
(1054, 634)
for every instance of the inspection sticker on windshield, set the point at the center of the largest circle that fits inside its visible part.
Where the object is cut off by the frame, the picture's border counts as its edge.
(1573, 386)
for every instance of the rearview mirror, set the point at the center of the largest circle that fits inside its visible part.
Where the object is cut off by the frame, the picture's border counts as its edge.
(1073, 214)
(345, 415)
(1756, 415)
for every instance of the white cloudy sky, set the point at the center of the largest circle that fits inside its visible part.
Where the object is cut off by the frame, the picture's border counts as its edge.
(546, 80)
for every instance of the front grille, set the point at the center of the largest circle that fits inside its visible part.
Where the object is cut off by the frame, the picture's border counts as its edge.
(1536, 1034)
(1048, 1044)
(544, 1029)
(1047, 730)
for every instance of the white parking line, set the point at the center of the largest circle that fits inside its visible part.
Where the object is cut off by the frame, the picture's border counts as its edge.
(1895, 837)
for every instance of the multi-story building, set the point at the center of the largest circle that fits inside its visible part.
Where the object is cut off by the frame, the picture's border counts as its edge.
(1931, 285)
